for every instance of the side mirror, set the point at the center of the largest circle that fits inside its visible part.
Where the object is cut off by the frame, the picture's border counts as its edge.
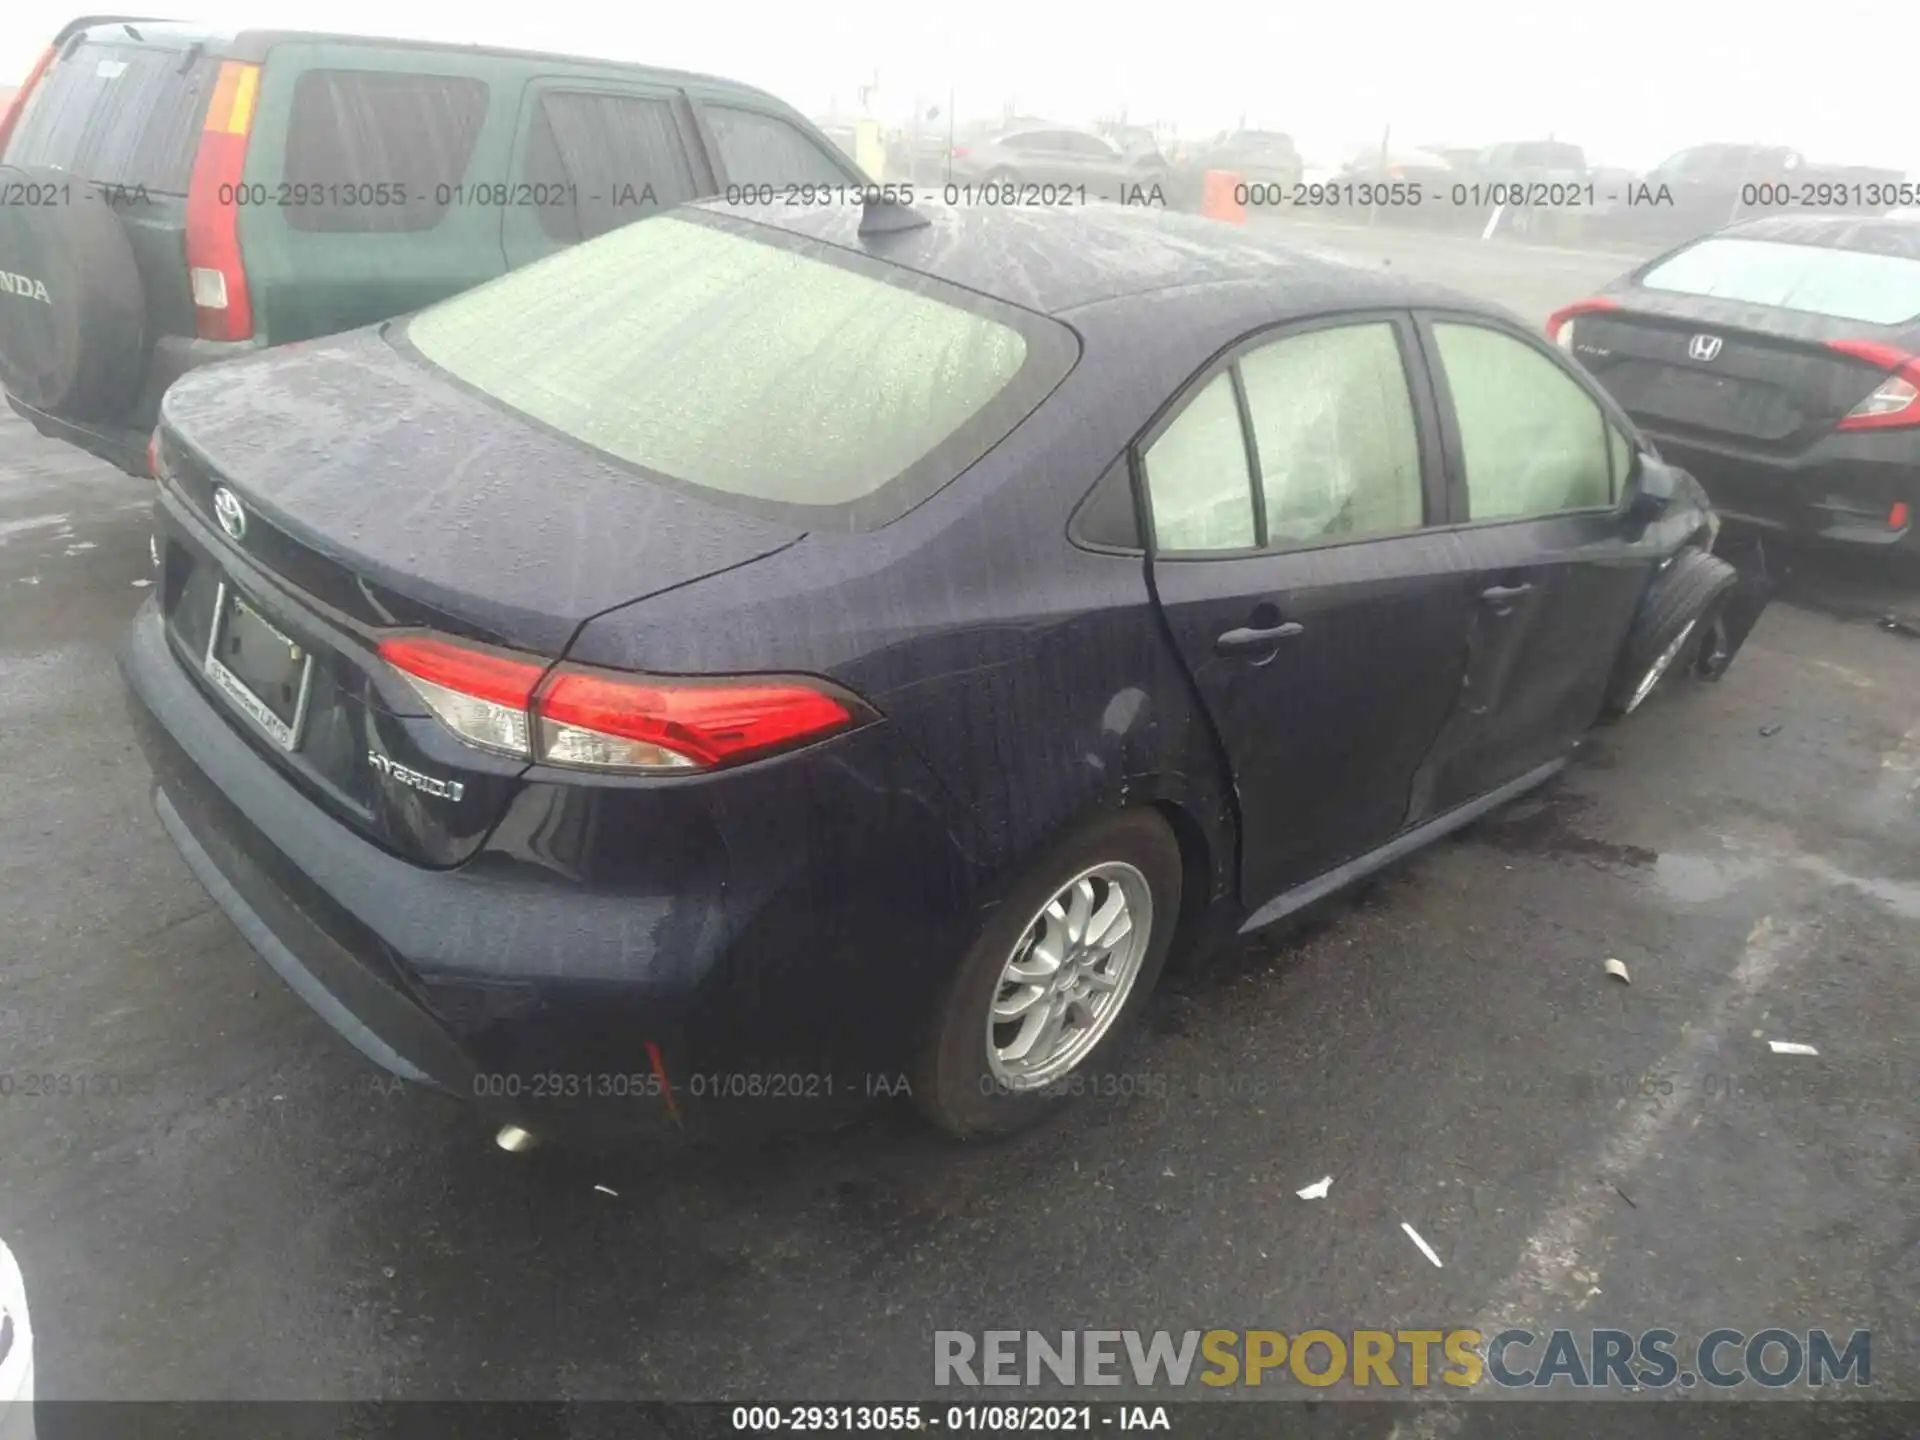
(1651, 487)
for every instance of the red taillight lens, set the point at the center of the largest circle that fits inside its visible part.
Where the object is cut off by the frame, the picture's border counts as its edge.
(606, 720)
(19, 102)
(481, 695)
(222, 308)
(1560, 323)
(1893, 402)
(1899, 516)
(959, 152)
(153, 453)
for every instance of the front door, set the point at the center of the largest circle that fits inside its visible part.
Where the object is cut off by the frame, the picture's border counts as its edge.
(1538, 470)
(1323, 624)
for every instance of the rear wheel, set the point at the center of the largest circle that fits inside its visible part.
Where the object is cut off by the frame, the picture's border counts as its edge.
(1679, 629)
(1038, 1007)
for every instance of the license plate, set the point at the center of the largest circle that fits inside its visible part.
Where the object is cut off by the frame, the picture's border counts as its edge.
(264, 672)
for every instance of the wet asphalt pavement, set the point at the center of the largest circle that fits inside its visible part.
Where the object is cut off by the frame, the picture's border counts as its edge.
(237, 1207)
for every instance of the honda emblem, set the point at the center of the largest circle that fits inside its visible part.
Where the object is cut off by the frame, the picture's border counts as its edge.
(1703, 347)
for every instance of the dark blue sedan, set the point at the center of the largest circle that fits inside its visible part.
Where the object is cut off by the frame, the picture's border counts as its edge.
(782, 654)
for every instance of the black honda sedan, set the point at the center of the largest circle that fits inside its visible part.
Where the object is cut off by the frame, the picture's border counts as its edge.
(1779, 362)
(774, 654)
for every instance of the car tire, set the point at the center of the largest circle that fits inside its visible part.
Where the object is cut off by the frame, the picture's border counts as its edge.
(75, 344)
(1675, 629)
(963, 1088)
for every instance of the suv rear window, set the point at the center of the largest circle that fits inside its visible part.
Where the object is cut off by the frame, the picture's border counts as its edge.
(118, 114)
(353, 132)
(1845, 284)
(786, 375)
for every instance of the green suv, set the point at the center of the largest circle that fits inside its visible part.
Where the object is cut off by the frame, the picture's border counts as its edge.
(172, 195)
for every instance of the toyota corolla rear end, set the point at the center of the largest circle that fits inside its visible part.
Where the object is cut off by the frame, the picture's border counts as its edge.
(1780, 363)
(493, 869)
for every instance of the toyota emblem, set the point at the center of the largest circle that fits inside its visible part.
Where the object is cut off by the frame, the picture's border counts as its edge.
(228, 510)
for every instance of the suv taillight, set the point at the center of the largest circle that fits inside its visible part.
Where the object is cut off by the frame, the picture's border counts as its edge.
(19, 103)
(222, 308)
(607, 720)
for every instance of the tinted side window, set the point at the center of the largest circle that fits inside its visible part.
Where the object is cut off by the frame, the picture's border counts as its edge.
(118, 115)
(1535, 443)
(1333, 428)
(353, 132)
(1198, 484)
(604, 160)
(758, 149)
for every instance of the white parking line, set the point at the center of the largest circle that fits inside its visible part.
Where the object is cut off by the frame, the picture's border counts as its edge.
(1539, 1284)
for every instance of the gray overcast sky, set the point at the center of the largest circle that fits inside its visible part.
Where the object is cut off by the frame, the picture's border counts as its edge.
(1630, 81)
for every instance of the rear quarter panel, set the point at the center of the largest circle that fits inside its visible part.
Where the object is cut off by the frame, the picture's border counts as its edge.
(306, 283)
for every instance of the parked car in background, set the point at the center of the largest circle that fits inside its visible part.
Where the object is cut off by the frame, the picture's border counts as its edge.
(205, 193)
(1055, 159)
(1266, 159)
(1776, 360)
(1180, 579)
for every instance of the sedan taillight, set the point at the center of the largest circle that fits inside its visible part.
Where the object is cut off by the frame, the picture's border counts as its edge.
(610, 720)
(1892, 403)
(1560, 323)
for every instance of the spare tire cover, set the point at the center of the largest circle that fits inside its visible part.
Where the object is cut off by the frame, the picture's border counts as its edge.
(73, 318)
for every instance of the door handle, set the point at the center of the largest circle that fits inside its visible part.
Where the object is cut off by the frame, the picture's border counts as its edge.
(1247, 637)
(1505, 594)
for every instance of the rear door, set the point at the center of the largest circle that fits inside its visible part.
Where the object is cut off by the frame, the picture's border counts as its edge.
(1322, 622)
(1537, 470)
(757, 146)
(361, 204)
(590, 157)
(120, 108)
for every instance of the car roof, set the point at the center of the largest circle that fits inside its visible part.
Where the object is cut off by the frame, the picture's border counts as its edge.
(1879, 235)
(253, 44)
(1054, 259)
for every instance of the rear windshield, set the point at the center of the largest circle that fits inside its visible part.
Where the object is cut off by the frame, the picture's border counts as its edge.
(1845, 284)
(766, 370)
(118, 114)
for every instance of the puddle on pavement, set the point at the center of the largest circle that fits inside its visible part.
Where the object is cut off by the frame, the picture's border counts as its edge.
(1546, 827)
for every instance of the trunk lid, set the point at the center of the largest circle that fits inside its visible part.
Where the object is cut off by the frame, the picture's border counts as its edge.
(1756, 377)
(377, 495)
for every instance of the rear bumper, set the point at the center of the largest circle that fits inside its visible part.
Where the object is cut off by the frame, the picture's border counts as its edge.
(122, 441)
(531, 990)
(1841, 490)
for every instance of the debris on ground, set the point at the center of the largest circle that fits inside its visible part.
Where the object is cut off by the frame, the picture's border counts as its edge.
(1790, 1047)
(1425, 1249)
(1900, 627)
(604, 1190)
(1618, 970)
(1317, 1190)
(1767, 732)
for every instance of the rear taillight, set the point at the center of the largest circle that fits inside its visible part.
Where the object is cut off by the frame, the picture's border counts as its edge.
(609, 720)
(19, 103)
(1892, 403)
(222, 308)
(153, 453)
(1560, 323)
(959, 152)
(1900, 516)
